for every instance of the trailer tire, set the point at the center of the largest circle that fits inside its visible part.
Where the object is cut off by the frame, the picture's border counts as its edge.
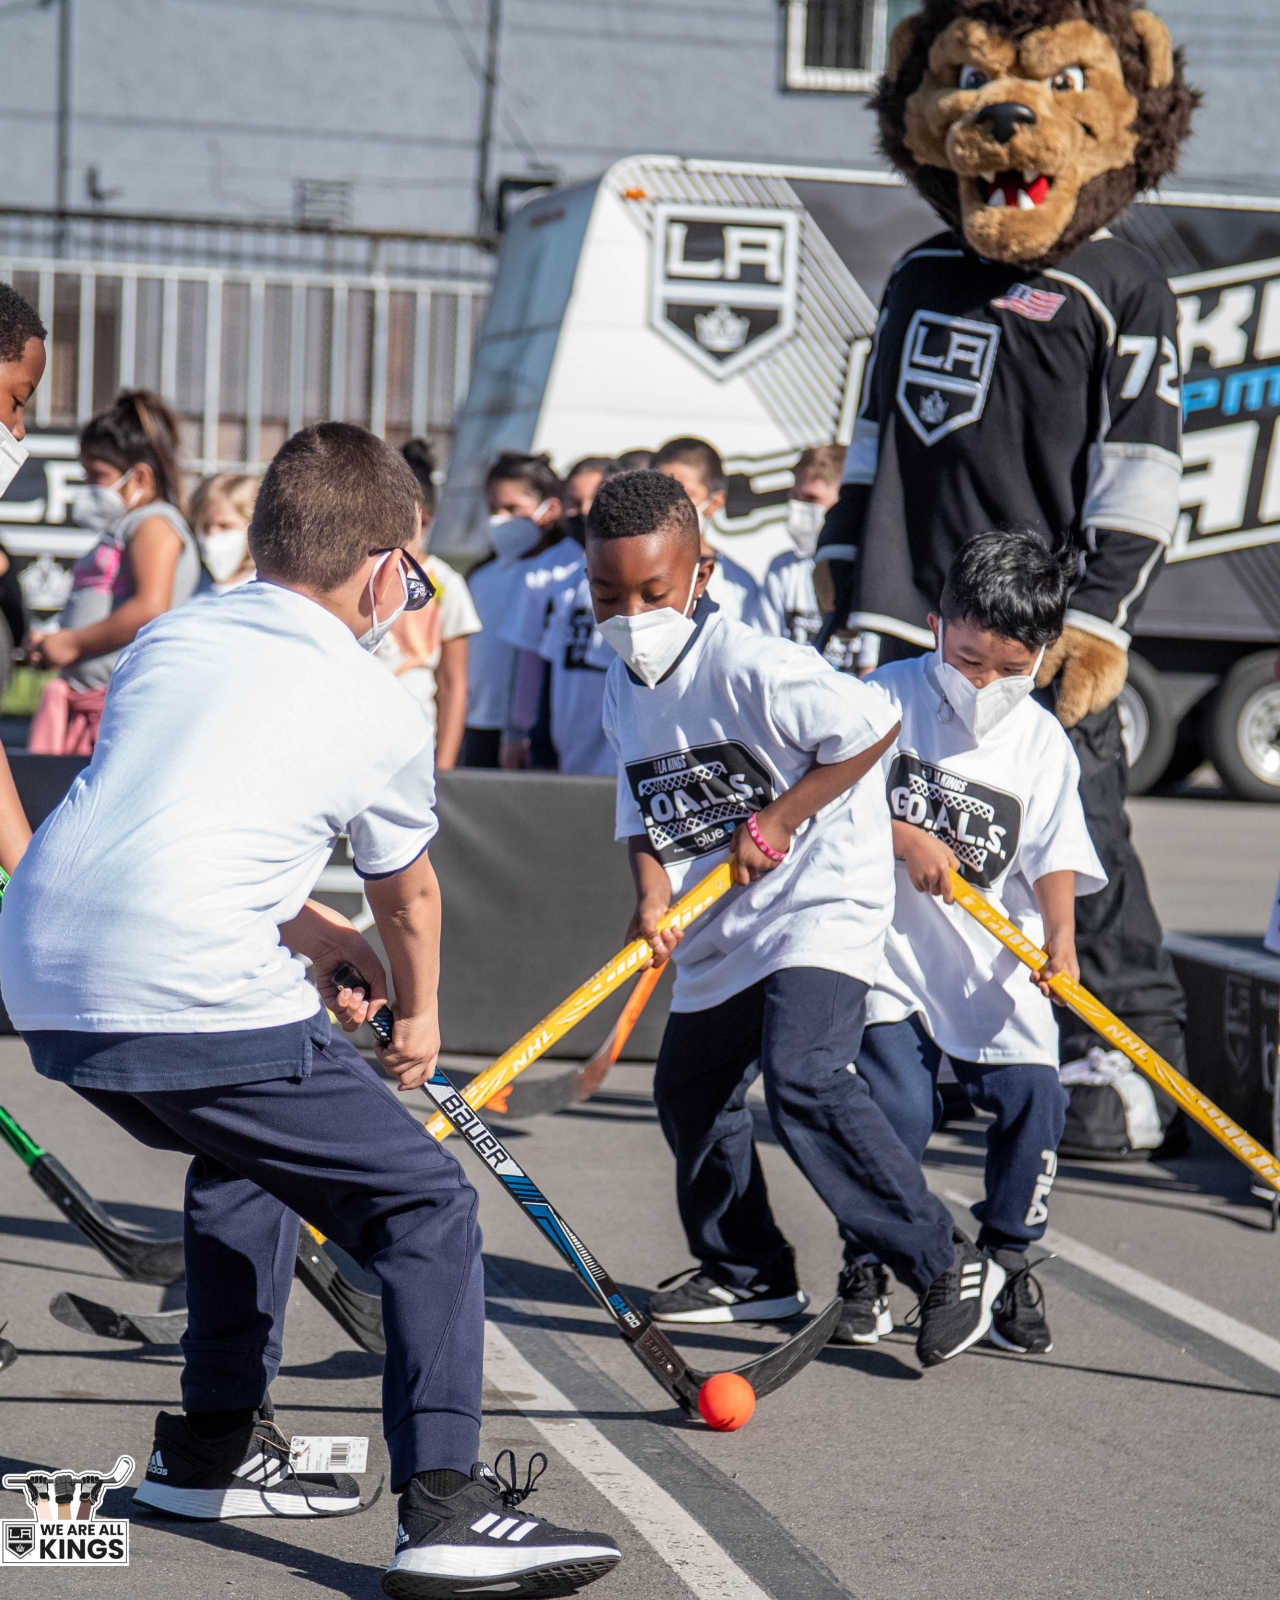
(1244, 729)
(1148, 726)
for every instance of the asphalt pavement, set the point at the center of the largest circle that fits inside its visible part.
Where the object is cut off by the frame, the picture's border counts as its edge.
(1131, 1461)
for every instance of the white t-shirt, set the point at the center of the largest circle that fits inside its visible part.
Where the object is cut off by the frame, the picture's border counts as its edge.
(451, 615)
(499, 590)
(739, 720)
(733, 589)
(1010, 810)
(545, 576)
(241, 735)
(787, 608)
(579, 659)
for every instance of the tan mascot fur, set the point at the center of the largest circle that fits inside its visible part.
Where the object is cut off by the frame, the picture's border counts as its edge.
(1025, 374)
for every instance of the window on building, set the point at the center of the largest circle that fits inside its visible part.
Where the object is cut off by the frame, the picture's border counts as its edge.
(840, 44)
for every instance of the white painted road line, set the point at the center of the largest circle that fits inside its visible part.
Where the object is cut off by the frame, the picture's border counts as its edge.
(1261, 1347)
(682, 1542)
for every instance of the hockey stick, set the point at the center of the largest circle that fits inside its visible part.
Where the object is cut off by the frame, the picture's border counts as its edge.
(681, 1381)
(1198, 1107)
(139, 1260)
(8, 1355)
(357, 1313)
(135, 1327)
(549, 1095)
(584, 999)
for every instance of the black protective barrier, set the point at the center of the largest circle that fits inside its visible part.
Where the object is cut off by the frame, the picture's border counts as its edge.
(537, 896)
(1233, 1027)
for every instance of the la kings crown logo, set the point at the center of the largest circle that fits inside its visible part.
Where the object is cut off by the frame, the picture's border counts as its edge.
(692, 800)
(981, 825)
(945, 372)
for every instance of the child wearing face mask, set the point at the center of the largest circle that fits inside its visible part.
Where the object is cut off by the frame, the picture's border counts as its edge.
(525, 505)
(221, 511)
(787, 605)
(697, 467)
(981, 779)
(731, 744)
(145, 562)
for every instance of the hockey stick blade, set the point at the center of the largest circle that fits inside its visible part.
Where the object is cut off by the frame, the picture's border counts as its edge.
(8, 1355)
(140, 1260)
(771, 1371)
(356, 1313)
(133, 1327)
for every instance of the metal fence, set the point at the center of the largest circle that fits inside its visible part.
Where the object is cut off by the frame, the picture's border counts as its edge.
(250, 331)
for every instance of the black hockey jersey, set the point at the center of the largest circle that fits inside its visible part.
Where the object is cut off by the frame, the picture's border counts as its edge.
(997, 397)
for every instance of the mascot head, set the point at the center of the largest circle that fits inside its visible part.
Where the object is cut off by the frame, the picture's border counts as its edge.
(1029, 124)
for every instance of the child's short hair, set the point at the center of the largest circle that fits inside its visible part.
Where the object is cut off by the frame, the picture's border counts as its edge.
(422, 463)
(635, 460)
(606, 466)
(824, 462)
(1011, 584)
(332, 494)
(633, 504)
(238, 489)
(534, 472)
(698, 454)
(19, 324)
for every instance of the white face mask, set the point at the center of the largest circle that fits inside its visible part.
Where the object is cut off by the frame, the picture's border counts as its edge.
(706, 519)
(804, 524)
(12, 455)
(224, 551)
(373, 637)
(980, 709)
(97, 508)
(513, 537)
(651, 641)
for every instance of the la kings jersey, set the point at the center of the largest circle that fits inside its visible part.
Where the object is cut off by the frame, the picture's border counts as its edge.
(997, 397)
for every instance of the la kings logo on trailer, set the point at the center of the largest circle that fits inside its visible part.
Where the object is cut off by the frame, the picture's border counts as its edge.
(945, 372)
(724, 282)
(980, 824)
(692, 800)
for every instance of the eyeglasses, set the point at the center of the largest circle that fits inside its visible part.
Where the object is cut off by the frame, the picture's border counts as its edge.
(418, 587)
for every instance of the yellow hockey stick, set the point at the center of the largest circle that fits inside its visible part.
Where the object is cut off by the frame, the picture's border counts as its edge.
(584, 999)
(1198, 1107)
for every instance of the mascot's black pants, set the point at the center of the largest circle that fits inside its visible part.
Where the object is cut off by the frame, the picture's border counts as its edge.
(1122, 957)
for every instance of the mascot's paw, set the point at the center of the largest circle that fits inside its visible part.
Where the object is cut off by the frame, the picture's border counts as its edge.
(1090, 673)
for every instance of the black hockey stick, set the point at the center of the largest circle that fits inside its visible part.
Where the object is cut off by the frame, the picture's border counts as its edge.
(134, 1327)
(161, 1261)
(681, 1381)
(139, 1260)
(8, 1355)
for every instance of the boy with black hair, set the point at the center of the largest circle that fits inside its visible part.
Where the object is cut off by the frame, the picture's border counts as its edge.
(983, 780)
(697, 467)
(148, 953)
(733, 744)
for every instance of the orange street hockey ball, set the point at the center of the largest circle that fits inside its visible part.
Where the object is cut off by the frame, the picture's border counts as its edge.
(726, 1401)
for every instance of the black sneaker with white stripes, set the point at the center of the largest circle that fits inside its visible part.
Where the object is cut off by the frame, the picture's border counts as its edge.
(702, 1299)
(246, 1473)
(956, 1309)
(467, 1536)
(864, 1288)
(1017, 1318)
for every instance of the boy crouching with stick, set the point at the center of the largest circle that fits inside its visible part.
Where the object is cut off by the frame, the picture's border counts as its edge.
(730, 743)
(145, 953)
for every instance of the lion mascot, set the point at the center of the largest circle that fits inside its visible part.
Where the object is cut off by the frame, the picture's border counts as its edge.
(1025, 373)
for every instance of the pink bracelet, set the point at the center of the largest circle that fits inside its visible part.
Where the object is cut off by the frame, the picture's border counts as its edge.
(761, 843)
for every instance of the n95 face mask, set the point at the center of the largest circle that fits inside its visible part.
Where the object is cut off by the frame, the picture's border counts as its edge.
(12, 455)
(223, 552)
(983, 709)
(804, 524)
(651, 641)
(513, 537)
(98, 508)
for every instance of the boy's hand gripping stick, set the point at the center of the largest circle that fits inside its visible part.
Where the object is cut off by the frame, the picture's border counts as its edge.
(1198, 1107)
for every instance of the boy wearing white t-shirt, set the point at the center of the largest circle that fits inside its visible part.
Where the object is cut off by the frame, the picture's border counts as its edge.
(981, 779)
(149, 955)
(732, 744)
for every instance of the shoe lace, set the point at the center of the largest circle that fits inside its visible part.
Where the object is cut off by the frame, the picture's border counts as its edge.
(679, 1277)
(1024, 1288)
(511, 1495)
(857, 1278)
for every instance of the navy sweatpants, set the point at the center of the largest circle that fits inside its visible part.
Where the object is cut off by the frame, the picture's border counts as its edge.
(899, 1063)
(803, 1025)
(345, 1153)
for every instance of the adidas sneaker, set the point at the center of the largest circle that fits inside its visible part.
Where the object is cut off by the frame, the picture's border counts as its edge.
(247, 1473)
(477, 1541)
(864, 1288)
(1017, 1317)
(956, 1309)
(702, 1299)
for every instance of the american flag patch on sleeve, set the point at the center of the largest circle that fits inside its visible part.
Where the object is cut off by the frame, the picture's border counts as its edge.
(1037, 305)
